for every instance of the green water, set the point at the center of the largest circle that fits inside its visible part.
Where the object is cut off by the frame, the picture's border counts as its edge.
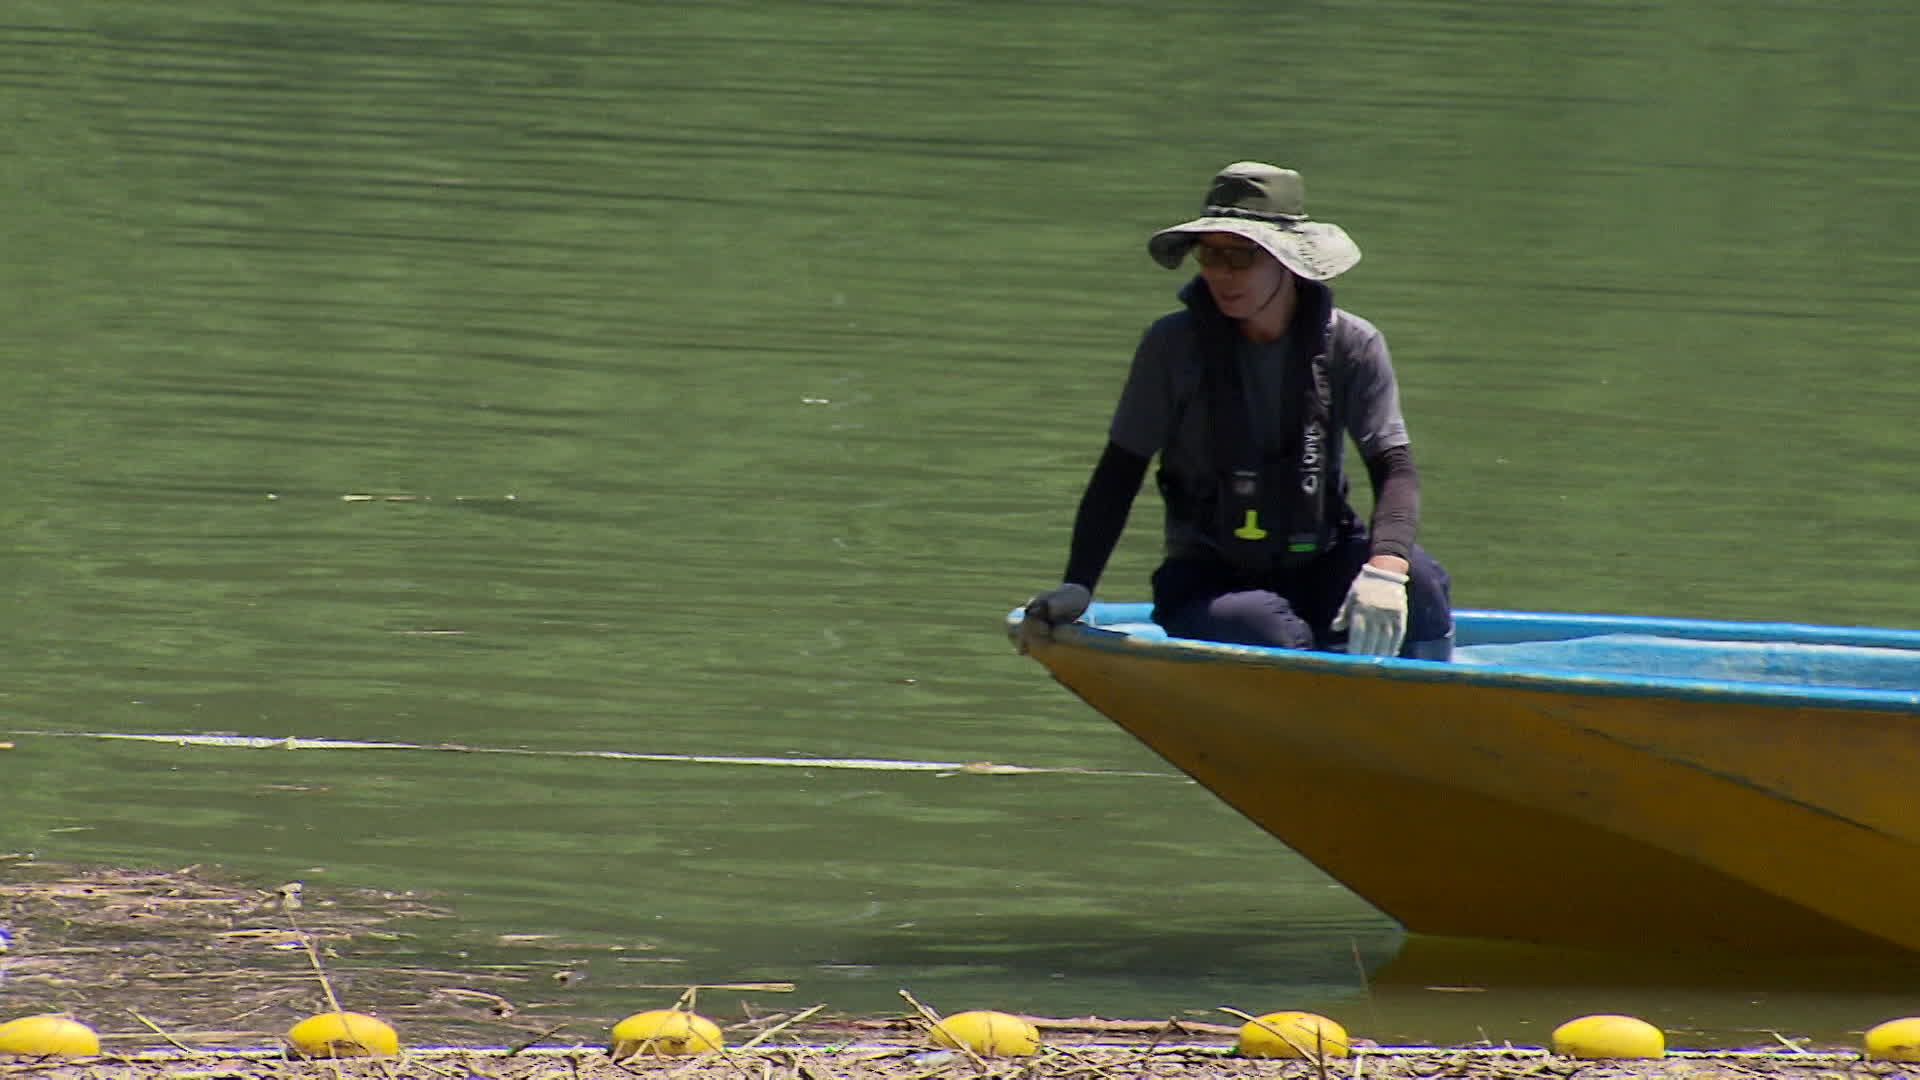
(721, 372)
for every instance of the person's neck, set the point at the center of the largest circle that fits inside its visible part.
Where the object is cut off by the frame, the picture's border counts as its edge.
(1270, 323)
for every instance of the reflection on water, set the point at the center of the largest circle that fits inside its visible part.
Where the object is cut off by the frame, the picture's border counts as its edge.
(740, 365)
(1461, 991)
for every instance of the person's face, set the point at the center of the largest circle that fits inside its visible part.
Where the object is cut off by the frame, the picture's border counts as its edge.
(1241, 275)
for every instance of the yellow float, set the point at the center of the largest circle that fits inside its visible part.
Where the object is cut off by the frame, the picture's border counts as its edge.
(987, 1033)
(46, 1036)
(1895, 1040)
(1292, 1034)
(343, 1034)
(664, 1033)
(1608, 1036)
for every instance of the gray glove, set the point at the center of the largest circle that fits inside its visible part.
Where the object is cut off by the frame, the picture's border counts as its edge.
(1058, 605)
(1061, 604)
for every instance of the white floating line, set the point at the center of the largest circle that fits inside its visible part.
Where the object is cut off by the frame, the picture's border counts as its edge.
(258, 742)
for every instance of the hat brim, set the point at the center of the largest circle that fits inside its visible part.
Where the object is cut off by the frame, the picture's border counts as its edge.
(1316, 250)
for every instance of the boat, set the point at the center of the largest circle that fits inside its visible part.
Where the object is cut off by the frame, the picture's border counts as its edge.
(1598, 782)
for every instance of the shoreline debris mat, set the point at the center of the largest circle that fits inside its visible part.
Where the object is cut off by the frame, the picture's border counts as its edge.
(209, 960)
(882, 1062)
(190, 976)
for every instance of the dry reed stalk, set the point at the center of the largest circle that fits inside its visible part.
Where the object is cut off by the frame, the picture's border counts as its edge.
(500, 1007)
(1788, 1043)
(313, 957)
(522, 1046)
(420, 1062)
(1366, 984)
(1172, 1026)
(155, 1028)
(250, 974)
(1083, 1066)
(755, 987)
(781, 1026)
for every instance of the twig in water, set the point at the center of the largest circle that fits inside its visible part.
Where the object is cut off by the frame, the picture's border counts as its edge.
(313, 957)
(422, 1063)
(1788, 1043)
(1366, 987)
(758, 987)
(1172, 1026)
(538, 1037)
(1094, 1067)
(781, 1026)
(155, 1028)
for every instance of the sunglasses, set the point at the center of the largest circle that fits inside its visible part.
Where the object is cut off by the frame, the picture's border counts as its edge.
(1231, 258)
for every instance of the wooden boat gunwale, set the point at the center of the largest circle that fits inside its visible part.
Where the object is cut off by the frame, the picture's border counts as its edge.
(1104, 628)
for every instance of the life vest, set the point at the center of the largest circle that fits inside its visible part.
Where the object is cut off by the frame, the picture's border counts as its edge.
(1266, 510)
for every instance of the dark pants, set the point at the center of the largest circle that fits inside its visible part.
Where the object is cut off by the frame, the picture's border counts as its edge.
(1200, 596)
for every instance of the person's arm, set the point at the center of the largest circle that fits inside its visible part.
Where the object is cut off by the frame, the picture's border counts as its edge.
(1141, 420)
(1396, 507)
(1377, 428)
(1375, 611)
(1102, 516)
(1097, 526)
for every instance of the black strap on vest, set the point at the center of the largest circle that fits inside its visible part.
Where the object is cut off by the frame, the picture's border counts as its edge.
(1271, 508)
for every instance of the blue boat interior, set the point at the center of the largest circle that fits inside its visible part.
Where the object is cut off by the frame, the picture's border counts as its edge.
(1857, 667)
(1791, 654)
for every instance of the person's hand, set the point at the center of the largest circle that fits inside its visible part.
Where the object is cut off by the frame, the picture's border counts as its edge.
(1375, 612)
(1061, 604)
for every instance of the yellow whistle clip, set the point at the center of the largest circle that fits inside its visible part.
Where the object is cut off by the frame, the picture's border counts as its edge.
(1251, 529)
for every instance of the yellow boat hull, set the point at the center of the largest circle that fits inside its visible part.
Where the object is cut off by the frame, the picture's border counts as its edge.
(1538, 809)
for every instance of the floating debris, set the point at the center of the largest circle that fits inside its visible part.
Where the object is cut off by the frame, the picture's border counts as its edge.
(215, 959)
(292, 742)
(405, 497)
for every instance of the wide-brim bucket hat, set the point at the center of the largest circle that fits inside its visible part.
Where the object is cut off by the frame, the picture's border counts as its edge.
(1267, 205)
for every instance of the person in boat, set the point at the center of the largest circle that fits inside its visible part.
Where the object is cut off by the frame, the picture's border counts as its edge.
(1245, 396)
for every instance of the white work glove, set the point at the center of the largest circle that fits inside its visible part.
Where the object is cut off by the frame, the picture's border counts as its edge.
(1061, 604)
(1375, 612)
